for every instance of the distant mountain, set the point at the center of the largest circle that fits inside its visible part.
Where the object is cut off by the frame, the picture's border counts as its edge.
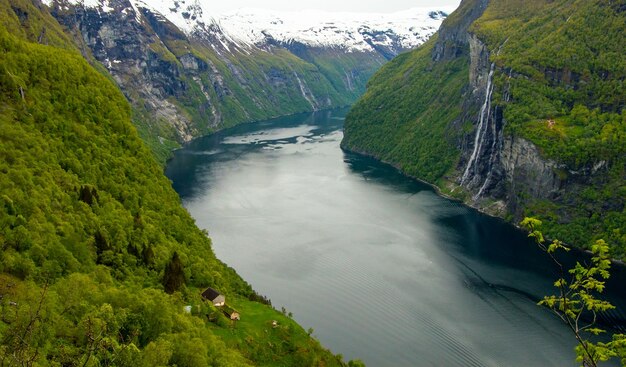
(357, 32)
(390, 33)
(188, 72)
(518, 108)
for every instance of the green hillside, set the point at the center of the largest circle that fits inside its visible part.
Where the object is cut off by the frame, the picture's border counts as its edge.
(183, 86)
(404, 116)
(98, 256)
(560, 70)
(258, 85)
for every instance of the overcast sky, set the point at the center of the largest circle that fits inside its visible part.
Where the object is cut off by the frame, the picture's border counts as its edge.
(331, 5)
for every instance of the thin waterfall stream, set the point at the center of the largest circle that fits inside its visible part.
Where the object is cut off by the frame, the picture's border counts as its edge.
(485, 113)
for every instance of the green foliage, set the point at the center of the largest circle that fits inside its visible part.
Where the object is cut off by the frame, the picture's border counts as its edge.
(356, 363)
(258, 99)
(157, 134)
(174, 277)
(88, 226)
(572, 47)
(88, 319)
(405, 115)
(564, 61)
(269, 344)
(578, 297)
(247, 86)
(30, 21)
(563, 65)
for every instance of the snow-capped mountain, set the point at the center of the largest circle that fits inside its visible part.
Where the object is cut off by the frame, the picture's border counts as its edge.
(351, 31)
(257, 27)
(188, 70)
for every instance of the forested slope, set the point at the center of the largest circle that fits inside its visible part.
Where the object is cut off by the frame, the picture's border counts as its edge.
(517, 108)
(98, 257)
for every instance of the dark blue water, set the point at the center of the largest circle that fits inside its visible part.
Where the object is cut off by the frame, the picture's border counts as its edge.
(380, 266)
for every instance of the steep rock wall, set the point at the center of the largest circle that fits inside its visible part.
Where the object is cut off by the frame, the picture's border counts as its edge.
(131, 47)
(526, 171)
(502, 172)
(531, 130)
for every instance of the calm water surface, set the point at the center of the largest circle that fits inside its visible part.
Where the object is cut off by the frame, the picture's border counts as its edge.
(380, 266)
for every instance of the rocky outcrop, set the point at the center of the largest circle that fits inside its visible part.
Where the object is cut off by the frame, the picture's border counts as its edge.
(194, 85)
(130, 46)
(499, 172)
(453, 35)
(525, 171)
(503, 173)
(481, 169)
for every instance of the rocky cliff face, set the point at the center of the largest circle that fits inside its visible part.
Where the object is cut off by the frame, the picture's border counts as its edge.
(523, 128)
(178, 82)
(524, 170)
(186, 75)
(133, 53)
(453, 35)
(480, 167)
(502, 172)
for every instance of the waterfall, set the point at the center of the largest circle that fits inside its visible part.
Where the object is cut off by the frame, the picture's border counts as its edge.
(492, 157)
(304, 92)
(506, 97)
(349, 81)
(482, 128)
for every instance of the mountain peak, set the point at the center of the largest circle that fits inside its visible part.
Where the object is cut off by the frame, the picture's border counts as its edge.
(250, 27)
(352, 31)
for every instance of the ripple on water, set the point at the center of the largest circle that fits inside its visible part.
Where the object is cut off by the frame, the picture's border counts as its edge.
(380, 266)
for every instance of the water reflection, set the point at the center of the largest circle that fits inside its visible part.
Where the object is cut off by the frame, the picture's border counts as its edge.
(379, 265)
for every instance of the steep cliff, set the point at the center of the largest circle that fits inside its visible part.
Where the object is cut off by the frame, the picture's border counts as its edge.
(533, 119)
(187, 74)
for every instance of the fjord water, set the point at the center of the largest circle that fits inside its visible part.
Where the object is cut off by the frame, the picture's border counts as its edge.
(381, 267)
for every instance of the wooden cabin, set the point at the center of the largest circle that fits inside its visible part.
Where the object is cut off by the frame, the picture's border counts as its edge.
(215, 297)
(234, 316)
(231, 313)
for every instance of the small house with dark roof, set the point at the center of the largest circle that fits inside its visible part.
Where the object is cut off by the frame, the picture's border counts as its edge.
(214, 296)
(231, 313)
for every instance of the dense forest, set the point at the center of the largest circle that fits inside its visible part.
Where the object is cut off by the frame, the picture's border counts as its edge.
(98, 257)
(559, 72)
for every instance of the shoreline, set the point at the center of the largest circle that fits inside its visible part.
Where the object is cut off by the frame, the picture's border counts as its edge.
(217, 131)
(439, 192)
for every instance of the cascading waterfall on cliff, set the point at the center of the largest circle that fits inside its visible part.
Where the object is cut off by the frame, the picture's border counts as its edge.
(481, 130)
(494, 132)
(304, 92)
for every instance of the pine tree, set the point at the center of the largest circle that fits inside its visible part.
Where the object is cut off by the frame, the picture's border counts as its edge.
(174, 277)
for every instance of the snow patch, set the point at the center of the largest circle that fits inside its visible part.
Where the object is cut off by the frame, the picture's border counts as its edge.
(255, 27)
(249, 28)
(352, 31)
(100, 5)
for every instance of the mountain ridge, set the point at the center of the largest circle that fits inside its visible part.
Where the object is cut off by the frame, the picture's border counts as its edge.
(186, 77)
(254, 26)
